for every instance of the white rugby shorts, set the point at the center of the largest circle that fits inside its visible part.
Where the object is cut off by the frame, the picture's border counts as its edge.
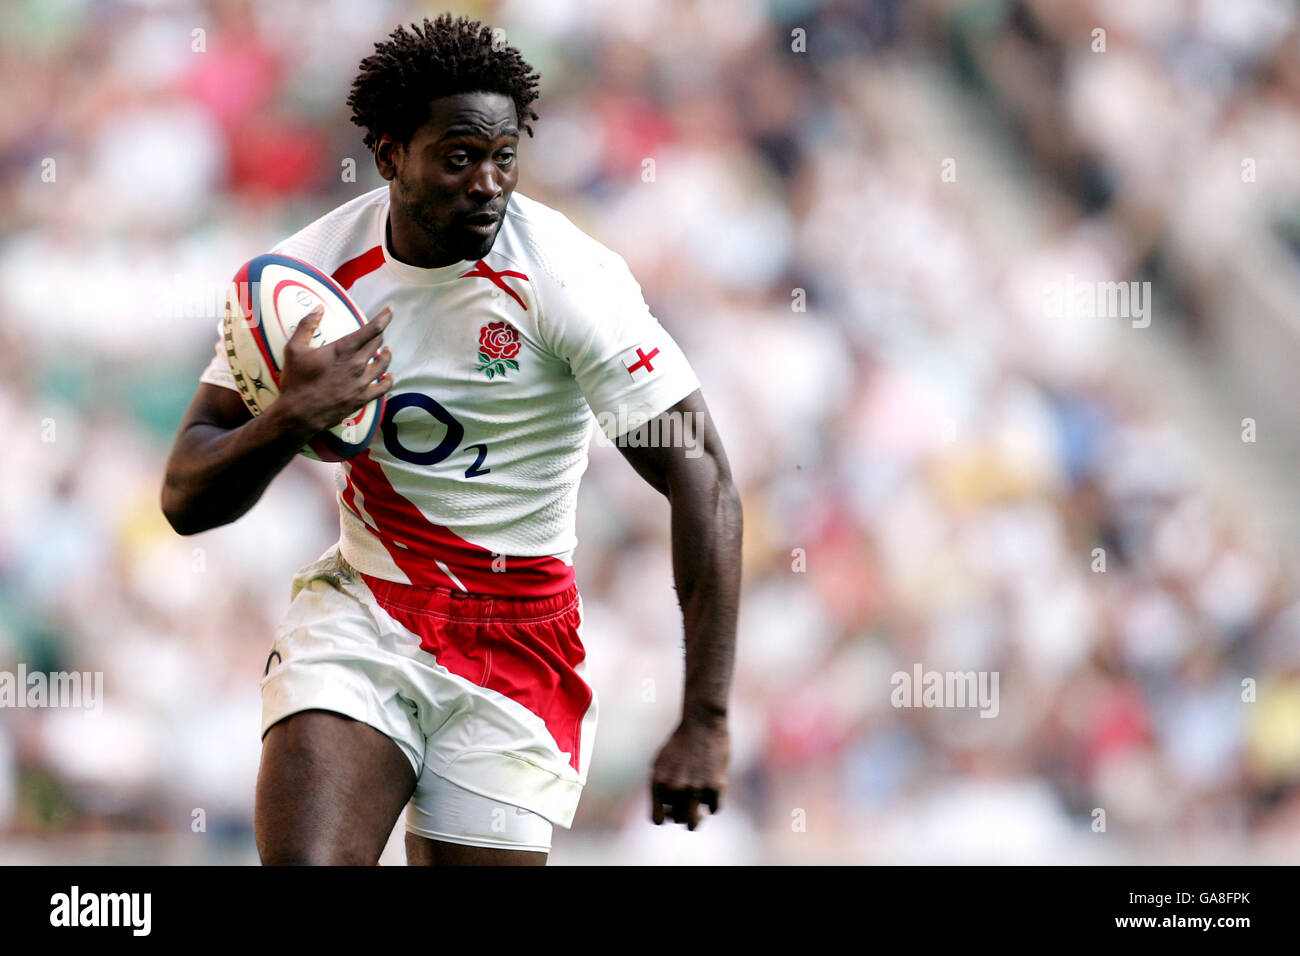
(487, 694)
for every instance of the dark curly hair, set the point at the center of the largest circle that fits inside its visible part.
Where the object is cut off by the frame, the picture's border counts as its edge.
(392, 91)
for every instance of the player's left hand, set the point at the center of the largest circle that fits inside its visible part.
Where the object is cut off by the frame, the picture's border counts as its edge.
(690, 772)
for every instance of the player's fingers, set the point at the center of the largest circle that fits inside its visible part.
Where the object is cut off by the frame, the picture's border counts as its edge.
(307, 326)
(378, 364)
(679, 798)
(354, 342)
(375, 389)
(658, 797)
(711, 797)
(691, 811)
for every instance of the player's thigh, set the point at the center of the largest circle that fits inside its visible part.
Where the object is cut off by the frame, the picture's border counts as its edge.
(329, 791)
(421, 851)
(450, 825)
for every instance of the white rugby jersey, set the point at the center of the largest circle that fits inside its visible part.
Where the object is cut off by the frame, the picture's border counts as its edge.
(472, 480)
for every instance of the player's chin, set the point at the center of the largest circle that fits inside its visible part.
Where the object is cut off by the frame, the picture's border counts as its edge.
(477, 242)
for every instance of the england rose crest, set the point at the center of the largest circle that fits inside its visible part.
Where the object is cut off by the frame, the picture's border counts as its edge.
(498, 344)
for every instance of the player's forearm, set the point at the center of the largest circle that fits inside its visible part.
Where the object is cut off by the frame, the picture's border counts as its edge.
(706, 528)
(215, 475)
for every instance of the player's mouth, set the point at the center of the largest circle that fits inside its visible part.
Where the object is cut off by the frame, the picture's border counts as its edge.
(483, 223)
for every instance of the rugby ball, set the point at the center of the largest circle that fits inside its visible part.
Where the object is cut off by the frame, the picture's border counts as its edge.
(269, 296)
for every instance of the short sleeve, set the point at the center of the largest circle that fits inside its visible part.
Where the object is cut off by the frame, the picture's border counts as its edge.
(627, 365)
(218, 370)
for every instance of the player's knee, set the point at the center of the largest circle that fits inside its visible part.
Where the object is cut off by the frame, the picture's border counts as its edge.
(313, 853)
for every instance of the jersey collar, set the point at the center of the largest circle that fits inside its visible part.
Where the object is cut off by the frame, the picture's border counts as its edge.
(414, 274)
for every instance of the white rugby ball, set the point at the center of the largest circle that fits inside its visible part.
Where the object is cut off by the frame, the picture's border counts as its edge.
(269, 296)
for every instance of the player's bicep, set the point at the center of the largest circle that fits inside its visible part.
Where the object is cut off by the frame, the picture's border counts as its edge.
(214, 409)
(217, 401)
(217, 406)
(678, 449)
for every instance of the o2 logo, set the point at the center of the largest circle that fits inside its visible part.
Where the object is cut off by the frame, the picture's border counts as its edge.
(449, 443)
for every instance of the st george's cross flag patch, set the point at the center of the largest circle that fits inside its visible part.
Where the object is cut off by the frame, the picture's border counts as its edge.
(640, 362)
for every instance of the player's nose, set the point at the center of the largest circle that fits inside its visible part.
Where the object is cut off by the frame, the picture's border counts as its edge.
(486, 182)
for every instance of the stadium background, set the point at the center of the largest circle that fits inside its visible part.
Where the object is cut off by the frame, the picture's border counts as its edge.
(946, 452)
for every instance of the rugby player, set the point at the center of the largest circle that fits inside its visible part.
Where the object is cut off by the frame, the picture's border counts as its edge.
(433, 658)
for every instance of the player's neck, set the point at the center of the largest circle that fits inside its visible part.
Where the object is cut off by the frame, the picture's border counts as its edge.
(408, 243)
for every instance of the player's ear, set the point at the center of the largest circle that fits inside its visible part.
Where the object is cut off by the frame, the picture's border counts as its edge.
(387, 155)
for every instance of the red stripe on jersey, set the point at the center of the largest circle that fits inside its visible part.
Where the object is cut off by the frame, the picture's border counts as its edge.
(527, 650)
(350, 499)
(416, 544)
(354, 269)
(484, 271)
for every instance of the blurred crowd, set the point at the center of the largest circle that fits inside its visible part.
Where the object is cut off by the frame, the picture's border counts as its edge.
(936, 468)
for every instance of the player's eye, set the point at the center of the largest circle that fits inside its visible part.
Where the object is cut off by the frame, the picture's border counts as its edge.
(459, 160)
(505, 157)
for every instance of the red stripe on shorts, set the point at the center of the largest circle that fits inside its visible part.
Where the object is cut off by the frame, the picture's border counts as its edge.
(525, 649)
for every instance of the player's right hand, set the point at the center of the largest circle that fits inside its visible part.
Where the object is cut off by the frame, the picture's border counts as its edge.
(322, 386)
